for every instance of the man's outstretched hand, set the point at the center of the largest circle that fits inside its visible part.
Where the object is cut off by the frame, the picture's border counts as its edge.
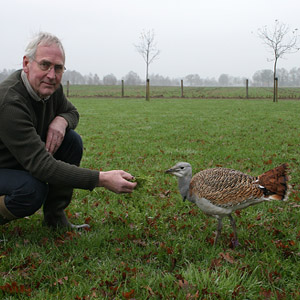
(117, 181)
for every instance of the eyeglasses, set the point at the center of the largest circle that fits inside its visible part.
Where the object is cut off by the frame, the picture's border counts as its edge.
(47, 66)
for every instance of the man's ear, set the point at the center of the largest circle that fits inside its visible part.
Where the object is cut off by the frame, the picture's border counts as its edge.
(25, 64)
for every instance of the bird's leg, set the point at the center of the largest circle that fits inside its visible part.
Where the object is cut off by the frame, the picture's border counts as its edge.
(219, 229)
(235, 242)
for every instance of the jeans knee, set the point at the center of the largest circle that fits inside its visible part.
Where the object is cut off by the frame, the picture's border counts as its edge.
(39, 194)
(78, 144)
(71, 149)
(28, 198)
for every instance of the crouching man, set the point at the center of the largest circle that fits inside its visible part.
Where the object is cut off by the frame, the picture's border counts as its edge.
(40, 152)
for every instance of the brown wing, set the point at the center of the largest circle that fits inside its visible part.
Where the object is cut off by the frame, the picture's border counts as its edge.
(224, 187)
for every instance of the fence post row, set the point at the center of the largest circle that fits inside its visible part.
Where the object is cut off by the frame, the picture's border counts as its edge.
(275, 92)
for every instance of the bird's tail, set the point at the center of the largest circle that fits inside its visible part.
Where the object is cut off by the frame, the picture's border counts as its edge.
(275, 183)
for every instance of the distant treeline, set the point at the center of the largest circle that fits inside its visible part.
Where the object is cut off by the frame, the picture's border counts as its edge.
(262, 78)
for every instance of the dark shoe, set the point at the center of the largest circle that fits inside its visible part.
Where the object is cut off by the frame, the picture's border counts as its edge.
(82, 226)
(58, 220)
(3, 220)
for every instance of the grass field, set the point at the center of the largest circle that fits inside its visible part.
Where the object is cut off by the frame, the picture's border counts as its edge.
(151, 244)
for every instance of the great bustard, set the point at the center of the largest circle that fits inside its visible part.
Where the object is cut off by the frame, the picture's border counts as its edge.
(220, 191)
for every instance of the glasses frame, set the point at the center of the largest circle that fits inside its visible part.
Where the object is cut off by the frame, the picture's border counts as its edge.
(51, 66)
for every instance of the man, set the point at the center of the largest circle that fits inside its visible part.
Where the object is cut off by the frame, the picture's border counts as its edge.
(40, 152)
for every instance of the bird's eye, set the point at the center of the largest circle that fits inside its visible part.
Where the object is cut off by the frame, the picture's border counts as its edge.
(181, 168)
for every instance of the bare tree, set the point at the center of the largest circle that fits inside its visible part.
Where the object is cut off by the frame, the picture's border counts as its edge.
(147, 48)
(281, 41)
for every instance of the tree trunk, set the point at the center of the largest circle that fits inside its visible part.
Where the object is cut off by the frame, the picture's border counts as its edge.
(148, 90)
(274, 81)
(147, 77)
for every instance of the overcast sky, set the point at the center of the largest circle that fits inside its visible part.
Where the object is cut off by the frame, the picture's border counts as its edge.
(205, 37)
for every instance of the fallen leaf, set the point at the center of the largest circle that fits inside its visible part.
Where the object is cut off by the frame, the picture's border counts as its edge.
(184, 284)
(268, 162)
(226, 256)
(128, 295)
(148, 288)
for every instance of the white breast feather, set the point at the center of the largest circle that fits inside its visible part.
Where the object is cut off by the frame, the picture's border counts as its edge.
(210, 209)
(207, 207)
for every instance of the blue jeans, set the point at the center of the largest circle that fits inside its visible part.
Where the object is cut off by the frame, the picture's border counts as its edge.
(24, 194)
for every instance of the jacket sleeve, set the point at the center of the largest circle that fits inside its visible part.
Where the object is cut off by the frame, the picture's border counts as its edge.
(23, 145)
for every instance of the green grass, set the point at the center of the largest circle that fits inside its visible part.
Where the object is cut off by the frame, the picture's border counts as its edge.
(151, 244)
(188, 92)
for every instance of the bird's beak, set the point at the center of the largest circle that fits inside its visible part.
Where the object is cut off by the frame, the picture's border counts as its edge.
(169, 171)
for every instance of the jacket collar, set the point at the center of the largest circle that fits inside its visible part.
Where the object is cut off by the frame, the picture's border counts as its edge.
(30, 90)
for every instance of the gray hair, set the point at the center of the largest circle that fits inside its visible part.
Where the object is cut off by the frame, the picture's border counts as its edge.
(43, 38)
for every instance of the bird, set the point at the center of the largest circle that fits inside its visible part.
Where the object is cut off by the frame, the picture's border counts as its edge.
(219, 191)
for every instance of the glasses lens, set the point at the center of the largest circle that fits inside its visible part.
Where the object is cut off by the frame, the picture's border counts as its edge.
(59, 69)
(45, 65)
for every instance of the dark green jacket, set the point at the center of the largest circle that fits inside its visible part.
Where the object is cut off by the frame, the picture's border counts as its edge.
(23, 130)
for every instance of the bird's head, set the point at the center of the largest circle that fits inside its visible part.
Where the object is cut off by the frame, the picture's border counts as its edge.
(181, 169)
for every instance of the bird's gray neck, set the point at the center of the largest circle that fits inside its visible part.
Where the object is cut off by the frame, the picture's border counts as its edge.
(184, 185)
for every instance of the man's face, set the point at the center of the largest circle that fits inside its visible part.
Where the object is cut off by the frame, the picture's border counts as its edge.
(44, 83)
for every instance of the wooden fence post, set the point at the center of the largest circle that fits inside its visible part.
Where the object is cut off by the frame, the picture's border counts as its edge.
(276, 89)
(122, 88)
(148, 90)
(68, 88)
(182, 96)
(247, 88)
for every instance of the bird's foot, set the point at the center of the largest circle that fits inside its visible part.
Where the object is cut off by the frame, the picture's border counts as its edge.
(234, 243)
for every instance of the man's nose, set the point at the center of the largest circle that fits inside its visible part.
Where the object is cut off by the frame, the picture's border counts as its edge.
(51, 73)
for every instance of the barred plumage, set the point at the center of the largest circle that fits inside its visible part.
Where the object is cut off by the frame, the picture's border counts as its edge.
(220, 191)
(224, 187)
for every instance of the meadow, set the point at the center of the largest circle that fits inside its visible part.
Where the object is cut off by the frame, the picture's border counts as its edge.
(150, 244)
